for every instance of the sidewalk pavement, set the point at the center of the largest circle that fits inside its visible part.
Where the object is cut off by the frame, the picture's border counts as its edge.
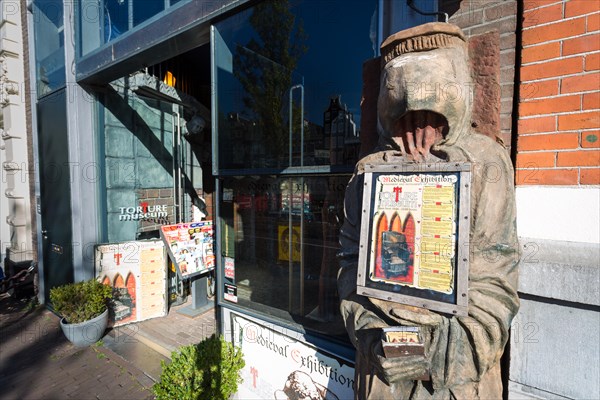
(37, 361)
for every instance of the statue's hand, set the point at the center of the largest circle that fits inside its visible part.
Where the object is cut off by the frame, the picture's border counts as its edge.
(417, 316)
(405, 368)
(419, 143)
(408, 315)
(393, 369)
(419, 131)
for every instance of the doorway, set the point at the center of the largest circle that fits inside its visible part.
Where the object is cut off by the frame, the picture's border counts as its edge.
(155, 128)
(55, 191)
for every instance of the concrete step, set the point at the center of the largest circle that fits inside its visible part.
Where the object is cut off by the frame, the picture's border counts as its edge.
(141, 353)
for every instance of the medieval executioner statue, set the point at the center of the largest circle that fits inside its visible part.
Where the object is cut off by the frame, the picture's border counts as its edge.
(418, 122)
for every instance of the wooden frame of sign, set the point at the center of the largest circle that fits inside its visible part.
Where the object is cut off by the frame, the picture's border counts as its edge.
(414, 241)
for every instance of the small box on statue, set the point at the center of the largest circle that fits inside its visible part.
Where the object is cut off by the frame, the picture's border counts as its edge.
(403, 341)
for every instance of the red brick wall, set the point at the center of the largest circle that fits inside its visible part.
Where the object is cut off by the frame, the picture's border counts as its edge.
(156, 197)
(209, 200)
(559, 109)
(477, 17)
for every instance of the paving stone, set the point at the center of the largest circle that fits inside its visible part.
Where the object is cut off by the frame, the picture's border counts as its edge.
(33, 350)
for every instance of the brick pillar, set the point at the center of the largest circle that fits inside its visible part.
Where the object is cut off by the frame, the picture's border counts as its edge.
(491, 27)
(558, 198)
(559, 110)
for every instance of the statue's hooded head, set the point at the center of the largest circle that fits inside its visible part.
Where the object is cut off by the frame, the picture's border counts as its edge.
(425, 68)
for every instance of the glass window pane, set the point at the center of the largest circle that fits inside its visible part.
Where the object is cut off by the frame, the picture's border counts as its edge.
(288, 74)
(279, 49)
(49, 45)
(145, 9)
(102, 21)
(282, 233)
(89, 15)
(116, 19)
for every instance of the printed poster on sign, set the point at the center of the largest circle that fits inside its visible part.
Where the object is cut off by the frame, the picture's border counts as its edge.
(281, 368)
(190, 247)
(229, 267)
(416, 220)
(137, 271)
(230, 292)
(414, 231)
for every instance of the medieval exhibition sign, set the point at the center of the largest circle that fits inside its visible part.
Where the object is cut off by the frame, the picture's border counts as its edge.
(414, 249)
(280, 367)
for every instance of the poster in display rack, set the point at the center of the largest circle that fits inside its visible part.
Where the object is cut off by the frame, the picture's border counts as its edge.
(190, 247)
(414, 246)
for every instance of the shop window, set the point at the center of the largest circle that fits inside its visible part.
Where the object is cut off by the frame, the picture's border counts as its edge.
(145, 9)
(102, 21)
(288, 90)
(49, 45)
(280, 233)
(288, 73)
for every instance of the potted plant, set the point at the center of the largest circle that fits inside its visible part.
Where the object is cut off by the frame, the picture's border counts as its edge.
(83, 307)
(207, 370)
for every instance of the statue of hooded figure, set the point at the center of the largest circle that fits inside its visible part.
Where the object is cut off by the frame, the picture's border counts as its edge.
(424, 111)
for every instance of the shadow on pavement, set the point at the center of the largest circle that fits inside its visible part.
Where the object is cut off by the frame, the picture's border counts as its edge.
(37, 362)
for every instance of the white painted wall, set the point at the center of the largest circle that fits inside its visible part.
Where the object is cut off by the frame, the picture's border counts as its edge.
(15, 220)
(555, 343)
(562, 213)
(555, 348)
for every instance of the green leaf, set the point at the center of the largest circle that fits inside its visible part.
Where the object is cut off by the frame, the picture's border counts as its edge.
(80, 301)
(207, 370)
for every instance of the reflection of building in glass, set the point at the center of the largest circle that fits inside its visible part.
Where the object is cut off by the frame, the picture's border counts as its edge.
(244, 130)
(313, 143)
(337, 142)
(340, 135)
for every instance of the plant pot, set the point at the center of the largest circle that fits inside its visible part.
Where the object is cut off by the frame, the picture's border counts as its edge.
(86, 333)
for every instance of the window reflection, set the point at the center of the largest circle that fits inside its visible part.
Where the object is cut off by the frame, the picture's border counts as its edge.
(283, 234)
(145, 9)
(288, 90)
(49, 45)
(116, 19)
(102, 21)
(300, 79)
